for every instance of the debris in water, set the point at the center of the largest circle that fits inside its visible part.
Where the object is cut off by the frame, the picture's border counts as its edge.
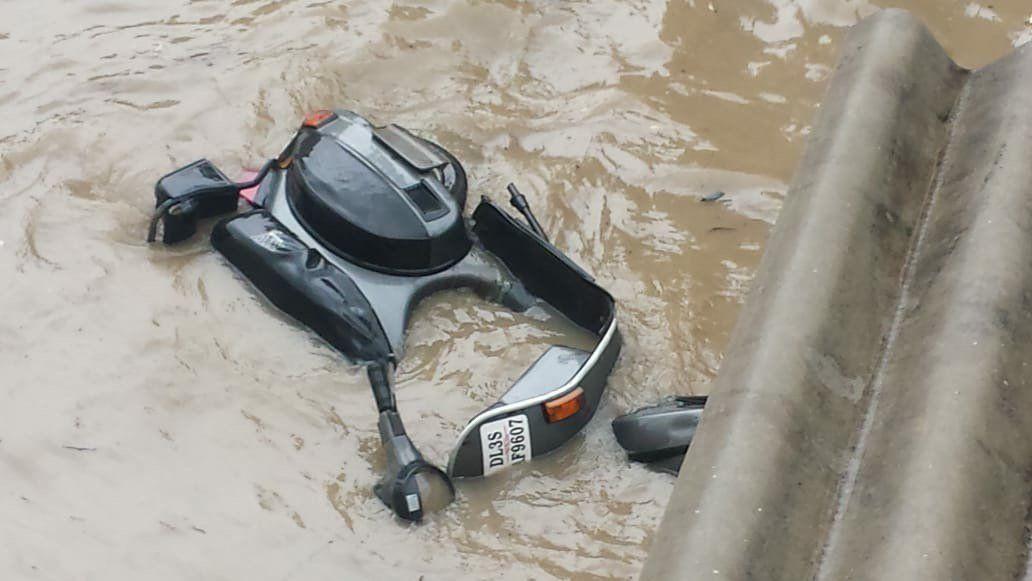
(79, 448)
(713, 197)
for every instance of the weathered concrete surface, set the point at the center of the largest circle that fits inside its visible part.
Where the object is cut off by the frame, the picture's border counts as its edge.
(873, 416)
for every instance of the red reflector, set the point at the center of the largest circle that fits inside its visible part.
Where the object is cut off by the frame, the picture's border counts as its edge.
(563, 407)
(318, 118)
(249, 193)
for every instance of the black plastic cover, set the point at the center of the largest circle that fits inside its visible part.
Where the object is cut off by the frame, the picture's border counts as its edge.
(201, 176)
(354, 209)
(657, 433)
(543, 269)
(303, 284)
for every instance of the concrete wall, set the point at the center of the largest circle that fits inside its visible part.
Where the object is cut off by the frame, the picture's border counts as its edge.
(873, 416)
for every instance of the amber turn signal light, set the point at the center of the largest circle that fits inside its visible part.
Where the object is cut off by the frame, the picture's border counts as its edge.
(317, 119)
(563, 407)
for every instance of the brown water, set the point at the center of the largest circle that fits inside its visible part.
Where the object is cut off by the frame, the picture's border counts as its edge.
(216, 439)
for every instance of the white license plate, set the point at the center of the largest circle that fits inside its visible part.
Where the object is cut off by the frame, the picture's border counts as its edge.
(505, 442)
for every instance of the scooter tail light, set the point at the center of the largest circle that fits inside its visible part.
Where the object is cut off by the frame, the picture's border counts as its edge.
(564, 406)
(317, 119)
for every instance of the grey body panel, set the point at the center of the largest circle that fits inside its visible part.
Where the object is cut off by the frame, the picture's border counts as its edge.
(871, 419)
(554, 368)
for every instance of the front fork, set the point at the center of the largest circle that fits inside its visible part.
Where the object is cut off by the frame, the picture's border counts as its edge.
(399, 488)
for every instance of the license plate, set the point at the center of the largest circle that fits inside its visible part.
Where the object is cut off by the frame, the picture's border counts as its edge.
(505, 442)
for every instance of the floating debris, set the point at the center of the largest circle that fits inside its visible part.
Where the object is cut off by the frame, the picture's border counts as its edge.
(713, 197)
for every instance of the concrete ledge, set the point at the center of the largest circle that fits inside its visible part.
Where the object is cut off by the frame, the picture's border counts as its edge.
(873, 416)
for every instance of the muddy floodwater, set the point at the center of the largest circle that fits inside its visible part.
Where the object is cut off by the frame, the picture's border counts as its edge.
(159, 420)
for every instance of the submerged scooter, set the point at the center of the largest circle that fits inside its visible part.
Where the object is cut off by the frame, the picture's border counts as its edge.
(350, 226)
